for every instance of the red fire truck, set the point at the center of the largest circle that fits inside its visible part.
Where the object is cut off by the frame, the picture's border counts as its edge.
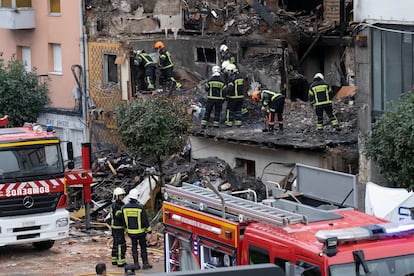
(207, 229)
(33, 181)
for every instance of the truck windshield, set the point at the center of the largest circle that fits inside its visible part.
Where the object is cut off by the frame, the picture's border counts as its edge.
(30, 161)
(400, 265)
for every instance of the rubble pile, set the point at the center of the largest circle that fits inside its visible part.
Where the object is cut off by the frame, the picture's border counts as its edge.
(122, 170)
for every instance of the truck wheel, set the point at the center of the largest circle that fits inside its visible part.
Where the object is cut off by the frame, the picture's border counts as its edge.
(43, 245)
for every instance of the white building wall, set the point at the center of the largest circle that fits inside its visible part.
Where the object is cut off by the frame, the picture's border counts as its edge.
(204, 148)
(68, 128)
(384, 11)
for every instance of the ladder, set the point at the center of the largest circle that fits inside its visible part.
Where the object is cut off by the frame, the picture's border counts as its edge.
(244, 209)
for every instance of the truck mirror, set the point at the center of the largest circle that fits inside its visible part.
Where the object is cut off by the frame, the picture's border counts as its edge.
(69, 150)
(71, 165)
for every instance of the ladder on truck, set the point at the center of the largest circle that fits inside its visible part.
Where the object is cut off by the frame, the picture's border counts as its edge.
(244, 209)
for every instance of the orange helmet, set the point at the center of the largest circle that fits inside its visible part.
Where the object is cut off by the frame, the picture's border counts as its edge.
(256, 95)
(159, 45)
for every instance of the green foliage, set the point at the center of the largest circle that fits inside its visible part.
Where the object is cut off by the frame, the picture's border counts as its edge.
(391, 144)
(21, 95)
(153, 126)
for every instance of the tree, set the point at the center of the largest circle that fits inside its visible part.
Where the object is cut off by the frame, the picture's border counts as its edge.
(391, 143)
(21, 95)
(154, 126)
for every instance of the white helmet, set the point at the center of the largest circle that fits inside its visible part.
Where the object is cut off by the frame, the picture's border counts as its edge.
(133, 194)
(231, 68)
(224, 64)
(318, 76)
(119, 191)
(215, 70)
(223, 48)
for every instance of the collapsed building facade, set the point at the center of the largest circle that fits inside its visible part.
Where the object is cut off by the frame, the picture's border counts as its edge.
(279, 44)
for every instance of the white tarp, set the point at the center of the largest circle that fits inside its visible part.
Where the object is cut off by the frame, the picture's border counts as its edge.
(144, 189)
(392, 204)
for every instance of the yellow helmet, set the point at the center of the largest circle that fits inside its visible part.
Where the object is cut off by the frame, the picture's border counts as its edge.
(256, 95)
(159, 45)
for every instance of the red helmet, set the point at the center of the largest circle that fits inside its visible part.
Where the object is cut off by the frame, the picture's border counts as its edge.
(256, 95)
(159, 45)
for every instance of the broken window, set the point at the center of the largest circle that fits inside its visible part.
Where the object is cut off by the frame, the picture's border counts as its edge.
(207, 55)
(110, 69)
(248, 166)
(392, 63)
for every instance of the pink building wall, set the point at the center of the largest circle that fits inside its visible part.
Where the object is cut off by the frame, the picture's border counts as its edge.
(63, 29)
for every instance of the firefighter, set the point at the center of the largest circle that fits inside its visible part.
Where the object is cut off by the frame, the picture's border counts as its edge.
(215, 97)
(320, 96)
(273, 105)
(117, 227)
(234, 95)
(137, 226)
(143, 59)
(166, 65)
(225, 55)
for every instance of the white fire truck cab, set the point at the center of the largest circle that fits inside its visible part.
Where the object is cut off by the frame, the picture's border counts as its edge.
(33, 196)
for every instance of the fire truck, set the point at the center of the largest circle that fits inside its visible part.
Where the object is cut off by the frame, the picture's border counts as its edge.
(33, 197)
(206, 229)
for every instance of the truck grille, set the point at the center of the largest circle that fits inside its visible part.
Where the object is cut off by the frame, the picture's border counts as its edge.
(41, 204)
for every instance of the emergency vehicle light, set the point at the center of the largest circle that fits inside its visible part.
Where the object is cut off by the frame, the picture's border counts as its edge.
(367, 232)
(37, 129)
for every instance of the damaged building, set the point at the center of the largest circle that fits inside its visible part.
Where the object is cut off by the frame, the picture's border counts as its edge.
(279, 44)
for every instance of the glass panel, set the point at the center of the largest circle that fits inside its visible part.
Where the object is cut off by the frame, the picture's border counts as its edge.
(111, 69)
(401, 265)
(376, 70)
(30, 161)
(57, 58)
(407, 59)
(6, 3)
(392, 67)
(23, 3)
(54, 6)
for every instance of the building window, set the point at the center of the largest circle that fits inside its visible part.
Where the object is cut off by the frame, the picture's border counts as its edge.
(55, 54)
(110, 69)
(15, 4)
(392, 66)
(23, 3)
(24, 54)
(54, 6)
(207, 55)
(247, 166)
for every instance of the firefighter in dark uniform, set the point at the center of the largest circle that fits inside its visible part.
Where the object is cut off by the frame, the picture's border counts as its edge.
(143, 59)
(226, 55)
(117, 227)
(320, 95)
(137, 226)
(166, 65)
(234, 95)
(273, 105)
(215, 98)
